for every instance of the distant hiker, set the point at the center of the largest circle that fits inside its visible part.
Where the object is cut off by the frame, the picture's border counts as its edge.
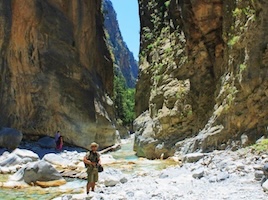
(57, 135)
(92, 161)
(58, 141)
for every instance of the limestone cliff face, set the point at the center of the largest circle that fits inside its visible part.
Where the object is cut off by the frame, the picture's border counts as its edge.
(124, 60)
(206, 64)
(56, 70)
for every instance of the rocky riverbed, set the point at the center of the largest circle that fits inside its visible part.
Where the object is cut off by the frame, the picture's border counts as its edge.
(216, 175)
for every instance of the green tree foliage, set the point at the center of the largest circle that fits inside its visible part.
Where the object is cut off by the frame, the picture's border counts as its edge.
(124, 99)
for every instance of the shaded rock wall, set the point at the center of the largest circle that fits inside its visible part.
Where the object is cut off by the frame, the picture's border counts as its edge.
(205, 62)
(56, 70)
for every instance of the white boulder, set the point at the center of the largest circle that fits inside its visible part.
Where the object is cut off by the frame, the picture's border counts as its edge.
(24, 153)
(56, 159)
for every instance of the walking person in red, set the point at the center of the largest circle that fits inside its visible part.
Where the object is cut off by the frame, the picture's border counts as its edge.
(58, 141)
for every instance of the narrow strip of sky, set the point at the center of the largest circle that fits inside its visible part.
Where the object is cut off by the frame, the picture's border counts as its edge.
(129, 23)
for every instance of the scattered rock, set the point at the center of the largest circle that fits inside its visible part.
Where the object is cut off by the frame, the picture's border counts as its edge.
(67, 197)
(258, 175)
(111, 177)
(163, 175)
(111, 181)
(265, 186)
(240, 166)
(123, 180)
(212, 179)
(265, 174)
(258, 167)
(265, 170)
(244, 140)
(47, 142)
(172, 172)
(55, 183)
(4, 170)
(56, 159)
(23, 153)
(199, 173)
(222, 176)
(10, 138)
(11, 160)
(193, 157)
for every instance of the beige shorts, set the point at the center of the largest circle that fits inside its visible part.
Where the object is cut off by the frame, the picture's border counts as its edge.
(92, 175)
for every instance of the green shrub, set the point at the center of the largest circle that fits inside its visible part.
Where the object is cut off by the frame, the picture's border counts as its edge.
(233, 40)
(261, 147)
(124, 100)
(167, 3)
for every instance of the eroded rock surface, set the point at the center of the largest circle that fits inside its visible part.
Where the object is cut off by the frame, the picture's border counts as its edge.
(10, 138)
(56, 71)
(203, 75)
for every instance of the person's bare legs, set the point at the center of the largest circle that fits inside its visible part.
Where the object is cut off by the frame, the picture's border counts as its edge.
(88, 187)
(93, 186)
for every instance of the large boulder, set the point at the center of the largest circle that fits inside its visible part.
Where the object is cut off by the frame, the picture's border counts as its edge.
(56, 159)
(40, 171)
(10, 138)
(24, 153)
(8, 160)
(145, 144)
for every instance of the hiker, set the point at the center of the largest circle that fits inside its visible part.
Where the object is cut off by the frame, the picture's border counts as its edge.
(58, 141)
(92, 160)
(57, 135)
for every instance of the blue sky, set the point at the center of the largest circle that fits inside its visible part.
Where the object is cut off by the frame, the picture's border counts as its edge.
(129, 23)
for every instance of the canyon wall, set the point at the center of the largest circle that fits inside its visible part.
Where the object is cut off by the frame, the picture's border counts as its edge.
(203, 76)
(56, 70)
(124, 61)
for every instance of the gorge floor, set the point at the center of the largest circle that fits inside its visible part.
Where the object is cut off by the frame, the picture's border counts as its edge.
(217, 175)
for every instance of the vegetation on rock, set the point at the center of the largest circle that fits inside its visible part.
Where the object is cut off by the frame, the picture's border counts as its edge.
(206, 65)
(125, 68)
(261, 147)
(124, 101)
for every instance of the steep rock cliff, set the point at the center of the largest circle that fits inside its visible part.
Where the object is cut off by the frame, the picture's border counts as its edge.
(124, 60)
(56, 70)
(206, 64)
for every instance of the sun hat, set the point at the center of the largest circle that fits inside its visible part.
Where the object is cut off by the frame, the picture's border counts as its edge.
(94, 144)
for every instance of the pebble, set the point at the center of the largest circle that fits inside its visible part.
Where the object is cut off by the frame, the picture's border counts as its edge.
(258, 167)
(258, 175)
(222, 176)
(193, 157)
(199, 173)
(265, 186)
